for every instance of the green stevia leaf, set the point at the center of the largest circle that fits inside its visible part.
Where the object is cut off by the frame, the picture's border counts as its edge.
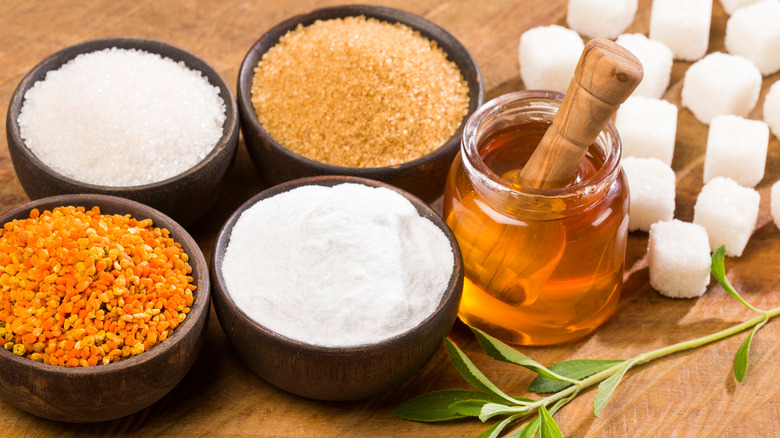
(495, 430)
(469, 408)
(607, 387)
(490, 410)
(549, 427)
(500, 351)
(469, 371)
(718, 268)
(530, 430)
(741, 358)
(573, 369)
(435, 406)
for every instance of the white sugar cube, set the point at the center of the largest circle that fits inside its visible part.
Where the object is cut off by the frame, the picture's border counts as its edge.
(647, 128)
(719, 84)
(732, 5)
(600, 18)
(775, 203)
(729, 213)
(754, 33)
(656, 61)
(683, 25)
(651, 184)
(736, 149)
(548, 56)
(772, 108)
(678, 259)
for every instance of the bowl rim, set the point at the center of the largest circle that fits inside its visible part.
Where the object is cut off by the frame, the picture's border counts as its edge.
(176, 53)
(444, 40)
(452, 292)
(202, 295)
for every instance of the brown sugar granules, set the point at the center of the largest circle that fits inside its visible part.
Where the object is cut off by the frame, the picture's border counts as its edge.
(359, 92)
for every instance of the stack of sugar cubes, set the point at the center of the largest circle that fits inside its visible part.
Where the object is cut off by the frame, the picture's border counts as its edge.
(720, 90)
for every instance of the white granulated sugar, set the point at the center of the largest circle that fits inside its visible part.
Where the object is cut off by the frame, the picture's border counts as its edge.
(341, 266)
(120, 117)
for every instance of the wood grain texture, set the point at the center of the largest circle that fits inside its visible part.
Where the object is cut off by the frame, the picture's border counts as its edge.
(690, 394)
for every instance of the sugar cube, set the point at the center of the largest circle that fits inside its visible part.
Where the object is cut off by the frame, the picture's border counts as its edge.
(683, 25)
(736, 148)
(732, 5)
(600, 18)
(651, 183)
(719, 84)
(548, 56)
(729, 213)
(678, 259)
(647, 128)
(656, 60)
(775, 203)
(772, 108)
(754, 33)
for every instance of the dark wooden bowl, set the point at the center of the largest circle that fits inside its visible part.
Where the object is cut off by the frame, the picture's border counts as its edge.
(333, 373)
(423, 177)
(105, 392)
(184, 197)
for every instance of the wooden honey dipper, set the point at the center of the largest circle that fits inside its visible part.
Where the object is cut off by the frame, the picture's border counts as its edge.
(605, 76)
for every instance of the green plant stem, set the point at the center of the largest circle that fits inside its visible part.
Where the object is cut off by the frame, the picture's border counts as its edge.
(652, 355)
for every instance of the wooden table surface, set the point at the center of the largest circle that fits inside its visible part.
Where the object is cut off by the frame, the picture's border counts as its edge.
(689, 394)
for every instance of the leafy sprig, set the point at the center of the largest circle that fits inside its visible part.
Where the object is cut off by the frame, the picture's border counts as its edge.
(564, 381)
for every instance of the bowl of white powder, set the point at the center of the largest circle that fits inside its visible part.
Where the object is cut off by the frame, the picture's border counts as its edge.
(135, 118)
(336, 287)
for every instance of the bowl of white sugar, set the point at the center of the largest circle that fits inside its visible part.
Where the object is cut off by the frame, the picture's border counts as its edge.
(135, 118)
(335, 287)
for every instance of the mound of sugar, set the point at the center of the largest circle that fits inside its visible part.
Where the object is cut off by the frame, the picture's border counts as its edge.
(548, 56)
(120, 117)
(678, 259)
(337, 266)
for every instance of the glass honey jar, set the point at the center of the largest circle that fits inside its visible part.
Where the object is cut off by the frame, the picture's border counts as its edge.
(542, 266)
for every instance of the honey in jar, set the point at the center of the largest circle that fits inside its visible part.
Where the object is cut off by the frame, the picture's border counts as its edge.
(542, 266)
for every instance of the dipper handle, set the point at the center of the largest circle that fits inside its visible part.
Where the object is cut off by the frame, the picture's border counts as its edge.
(605, 76)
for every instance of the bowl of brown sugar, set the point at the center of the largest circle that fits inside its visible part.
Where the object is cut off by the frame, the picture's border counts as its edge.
(357, 90)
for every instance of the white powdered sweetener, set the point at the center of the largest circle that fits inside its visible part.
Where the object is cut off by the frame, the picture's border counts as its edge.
(337, 266)
(119, 117)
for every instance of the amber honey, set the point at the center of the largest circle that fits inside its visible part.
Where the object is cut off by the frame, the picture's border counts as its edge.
(541, 266)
